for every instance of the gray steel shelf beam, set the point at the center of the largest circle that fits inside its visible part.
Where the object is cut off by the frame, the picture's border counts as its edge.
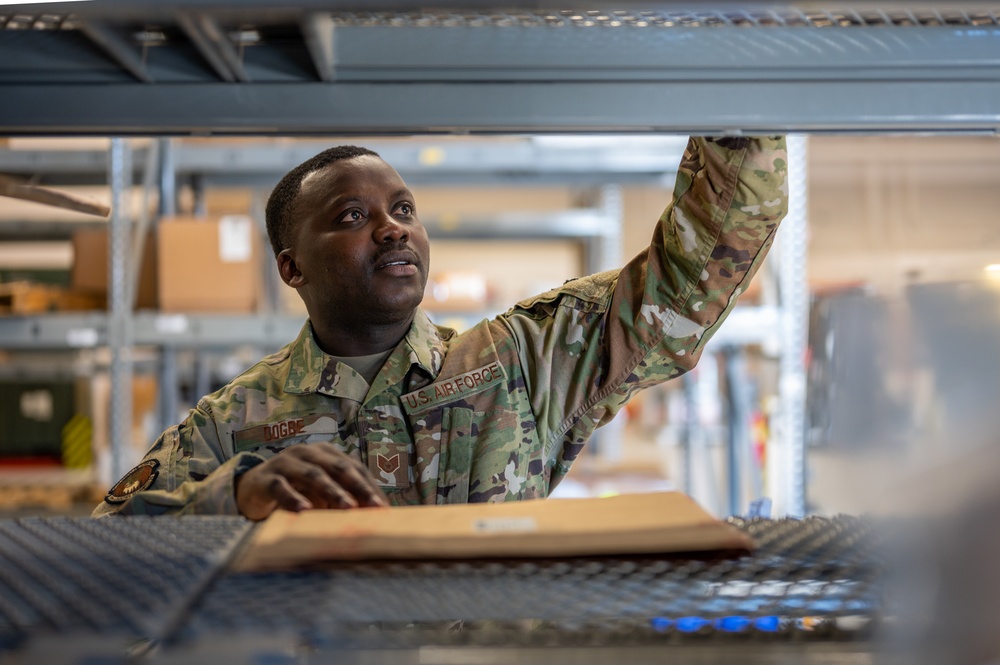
(709, 108)
(514, 79)
(216, 330)
(89, 162)
(726, 53)
(446, 159)
(575, 160)
(654, 155)
(243, 8)
(513, 178)
(90, 329)
(745, 325)
(42, 230)
(579, 224)
(470, 161)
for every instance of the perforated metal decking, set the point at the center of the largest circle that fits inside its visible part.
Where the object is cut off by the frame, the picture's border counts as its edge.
(116, 577)
(815, 580)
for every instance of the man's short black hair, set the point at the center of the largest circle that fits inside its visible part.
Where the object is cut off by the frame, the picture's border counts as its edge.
(280, 222)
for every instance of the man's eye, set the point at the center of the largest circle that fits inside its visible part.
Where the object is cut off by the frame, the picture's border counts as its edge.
(405, 209)
(352, 216)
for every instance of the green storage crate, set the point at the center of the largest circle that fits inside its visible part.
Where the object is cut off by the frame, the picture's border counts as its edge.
(32, 417)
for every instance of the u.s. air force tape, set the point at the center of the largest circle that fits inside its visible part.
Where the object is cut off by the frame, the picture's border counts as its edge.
(136, 480)
(455, 387)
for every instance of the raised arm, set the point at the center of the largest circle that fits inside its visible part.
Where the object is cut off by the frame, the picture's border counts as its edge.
(591, 344)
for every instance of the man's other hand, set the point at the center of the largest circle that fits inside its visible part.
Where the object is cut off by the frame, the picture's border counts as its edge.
(301, 477)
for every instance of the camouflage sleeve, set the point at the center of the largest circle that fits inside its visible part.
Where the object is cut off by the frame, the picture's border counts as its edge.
(588, 346)
(184, 473)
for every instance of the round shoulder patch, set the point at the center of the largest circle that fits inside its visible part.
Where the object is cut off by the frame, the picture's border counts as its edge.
(136, 480)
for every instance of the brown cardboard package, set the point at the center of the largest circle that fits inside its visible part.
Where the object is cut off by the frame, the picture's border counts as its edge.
(29, 298)
(208, 265)
(89, 274)
(650, 523)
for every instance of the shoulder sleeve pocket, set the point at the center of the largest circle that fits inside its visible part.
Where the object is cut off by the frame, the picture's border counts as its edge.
(582, 293)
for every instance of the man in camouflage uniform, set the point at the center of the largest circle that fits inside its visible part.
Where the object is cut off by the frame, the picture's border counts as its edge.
(392, 409)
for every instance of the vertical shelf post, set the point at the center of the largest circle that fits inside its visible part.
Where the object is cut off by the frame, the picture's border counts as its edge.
(739, 400)
(168, 401)
(120, 306)
(605, 253)
(786, 467)
(168, 178)
(610, 252)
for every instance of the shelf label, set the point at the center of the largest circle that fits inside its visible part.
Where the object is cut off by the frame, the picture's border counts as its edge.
(504, 525)
(82, 337)
(235, 238)
(37, 405)
(171, 324)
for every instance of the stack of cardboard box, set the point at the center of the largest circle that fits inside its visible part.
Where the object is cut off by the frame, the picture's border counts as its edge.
(188, 265)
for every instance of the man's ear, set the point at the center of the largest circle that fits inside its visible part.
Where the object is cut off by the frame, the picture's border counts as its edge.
(289, 270)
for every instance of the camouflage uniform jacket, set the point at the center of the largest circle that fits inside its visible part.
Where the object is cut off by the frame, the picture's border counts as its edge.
(499, 412)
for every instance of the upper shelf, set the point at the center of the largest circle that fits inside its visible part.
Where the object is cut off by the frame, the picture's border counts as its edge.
(226, 67)
(577, 160)
(746, 325)
(90, 329)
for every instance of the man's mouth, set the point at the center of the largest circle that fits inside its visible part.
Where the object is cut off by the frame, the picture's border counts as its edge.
(397, 264)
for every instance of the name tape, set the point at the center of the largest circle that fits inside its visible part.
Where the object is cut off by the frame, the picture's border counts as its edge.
(261, 435)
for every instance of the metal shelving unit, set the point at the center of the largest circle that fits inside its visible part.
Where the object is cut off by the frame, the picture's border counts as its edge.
(121, 68)
(550, 160)
(121, 329)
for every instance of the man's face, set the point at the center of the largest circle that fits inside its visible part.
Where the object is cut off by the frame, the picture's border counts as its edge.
(359, 249)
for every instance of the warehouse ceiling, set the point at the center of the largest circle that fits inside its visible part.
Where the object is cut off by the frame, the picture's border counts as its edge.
(145, 67)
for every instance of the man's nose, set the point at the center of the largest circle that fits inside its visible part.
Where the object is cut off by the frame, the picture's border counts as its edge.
(388, 229)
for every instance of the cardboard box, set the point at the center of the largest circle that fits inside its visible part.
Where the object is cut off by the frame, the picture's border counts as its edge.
(89, 274)
(650, 523)
(29, 298)
(208, 264)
